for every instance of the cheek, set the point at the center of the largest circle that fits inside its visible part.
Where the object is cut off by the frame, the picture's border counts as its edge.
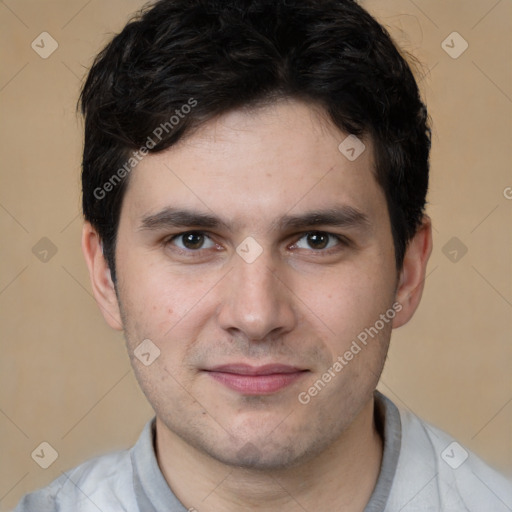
(148, 292)
(166, 307)
(149, 311)
(348, 300)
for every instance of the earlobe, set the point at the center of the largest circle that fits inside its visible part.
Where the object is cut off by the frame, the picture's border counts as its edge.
(101, 281)
(412, 275)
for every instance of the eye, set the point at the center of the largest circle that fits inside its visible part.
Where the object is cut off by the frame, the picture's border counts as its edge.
(319, 240)
(192, 241)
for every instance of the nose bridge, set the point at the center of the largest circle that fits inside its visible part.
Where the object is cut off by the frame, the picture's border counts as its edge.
(255, 301)
(256, 280)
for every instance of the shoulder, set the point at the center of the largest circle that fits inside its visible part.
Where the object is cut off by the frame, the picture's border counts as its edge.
(102, 483)
(435, 472)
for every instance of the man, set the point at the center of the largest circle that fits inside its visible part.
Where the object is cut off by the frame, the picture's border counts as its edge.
(254, 182)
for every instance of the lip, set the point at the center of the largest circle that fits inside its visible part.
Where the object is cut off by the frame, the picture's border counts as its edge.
(256, 380)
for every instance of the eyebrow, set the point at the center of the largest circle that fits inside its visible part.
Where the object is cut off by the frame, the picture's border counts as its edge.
(338, 216)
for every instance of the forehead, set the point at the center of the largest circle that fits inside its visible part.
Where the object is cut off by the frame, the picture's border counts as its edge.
(254, 166)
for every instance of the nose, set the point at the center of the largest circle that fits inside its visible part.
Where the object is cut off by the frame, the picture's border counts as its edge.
(256, 301)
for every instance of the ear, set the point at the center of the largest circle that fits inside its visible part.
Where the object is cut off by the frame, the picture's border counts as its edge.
(412, 275)
(101, 280)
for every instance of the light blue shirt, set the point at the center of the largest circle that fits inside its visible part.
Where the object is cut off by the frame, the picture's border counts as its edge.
(423, 470)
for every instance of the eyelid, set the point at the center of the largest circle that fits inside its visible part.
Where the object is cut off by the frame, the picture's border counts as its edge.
(171, 238)
(342, 240)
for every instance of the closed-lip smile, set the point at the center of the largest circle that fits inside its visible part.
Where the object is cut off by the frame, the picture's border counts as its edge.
(255, 380)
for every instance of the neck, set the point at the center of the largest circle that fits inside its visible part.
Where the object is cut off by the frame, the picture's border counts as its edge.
(342, 477)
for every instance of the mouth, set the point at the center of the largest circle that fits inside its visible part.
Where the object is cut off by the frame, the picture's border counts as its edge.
(256, 380)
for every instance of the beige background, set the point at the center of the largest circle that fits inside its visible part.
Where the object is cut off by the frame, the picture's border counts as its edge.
(65, 376)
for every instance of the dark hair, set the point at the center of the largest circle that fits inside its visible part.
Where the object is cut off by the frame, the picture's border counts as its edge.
(216, 56)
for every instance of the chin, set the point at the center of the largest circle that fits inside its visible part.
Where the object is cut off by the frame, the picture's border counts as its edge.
(272, 455)
(251, 457)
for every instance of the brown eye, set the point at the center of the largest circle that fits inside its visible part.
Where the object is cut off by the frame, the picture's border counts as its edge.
(318, 240)
(192, 241)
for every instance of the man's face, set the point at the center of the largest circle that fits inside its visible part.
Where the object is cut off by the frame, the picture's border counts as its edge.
(222, 307)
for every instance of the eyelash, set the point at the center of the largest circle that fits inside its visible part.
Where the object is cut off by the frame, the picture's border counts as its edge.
(343, 242)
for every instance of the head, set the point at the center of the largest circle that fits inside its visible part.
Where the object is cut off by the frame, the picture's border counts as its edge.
(230, 221)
